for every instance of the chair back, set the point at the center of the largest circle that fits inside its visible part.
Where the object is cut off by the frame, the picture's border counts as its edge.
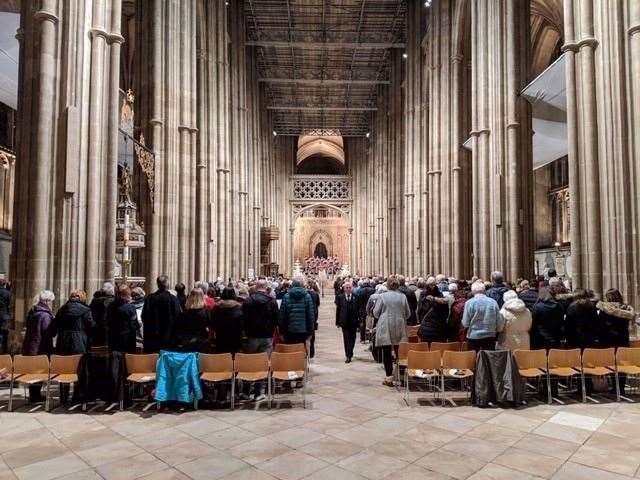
(290, 347)
(65, 364)
(459, 360)
(251, 362)
(598, 357)
(216, 362)
(30, 364)
(634, 344)
(405, 347)
(464, 346)
(412, 330)
(423, 360)
(6, 363)
(564, 358)
(288, 362)
(527, 359)
(141, 363)
(628, 356)
(445, 347)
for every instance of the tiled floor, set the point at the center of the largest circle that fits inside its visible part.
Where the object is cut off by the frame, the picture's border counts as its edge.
(353, 429)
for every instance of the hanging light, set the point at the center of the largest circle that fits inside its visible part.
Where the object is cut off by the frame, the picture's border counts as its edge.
(367, 134)
(405, 55)
(275, 134)
(427, 3)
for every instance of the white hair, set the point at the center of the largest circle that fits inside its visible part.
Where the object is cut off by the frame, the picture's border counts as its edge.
(453, 287)
(202, 285)
(45, 296)
(108, 288)
(477, 287)
(381, 288)
(509, 295)
(440, 278)
(431, 280)
(555, 281)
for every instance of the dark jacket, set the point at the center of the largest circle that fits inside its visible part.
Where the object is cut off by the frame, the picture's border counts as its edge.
(457, 332)
(190, 331)
(496, 292)
(547, 330)
(529, 296)
(37, 340)
(614, 321)
(122, 326)
(316, 306)
(413, 304)
(260, 315)
(363, 297)
(227, 325)
(5, 303)
(99, 306)
(159, 314)
(347, 312)
(73, 325)
(582, 324)
(497, 380)
(433, 313)
(297, 312)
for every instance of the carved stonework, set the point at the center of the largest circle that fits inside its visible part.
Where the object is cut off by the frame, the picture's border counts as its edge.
(6, 160)
(147, 163)
(321, 189)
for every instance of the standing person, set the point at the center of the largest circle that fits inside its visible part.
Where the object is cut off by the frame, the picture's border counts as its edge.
(312, 289)
(460, 297)
(516, 323)
(498, 288)
(433, 313)
(481, 318)
(137, 300)
(547, 330)
(159, 314)
(392, 311)
(99, 304)
(582, 322)
(5, 309)
(260, 321)
(528, 294)
(362, 299)
(122, 322)
(411, 300)
(190, 331)
(296, 314)
(180, 293)
(73, 325)
(37, 340)
(347, 319)
(227, 322)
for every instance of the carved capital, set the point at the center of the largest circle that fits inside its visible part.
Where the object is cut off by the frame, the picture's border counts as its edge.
(42, 15)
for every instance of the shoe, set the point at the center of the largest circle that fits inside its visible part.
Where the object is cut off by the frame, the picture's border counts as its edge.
(260, 398)
(348, 360)
(388, 382)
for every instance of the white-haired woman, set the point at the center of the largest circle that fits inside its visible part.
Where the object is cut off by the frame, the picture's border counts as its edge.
(38, 339)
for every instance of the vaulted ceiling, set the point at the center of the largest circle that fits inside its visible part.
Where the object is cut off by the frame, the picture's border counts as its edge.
(322, 61)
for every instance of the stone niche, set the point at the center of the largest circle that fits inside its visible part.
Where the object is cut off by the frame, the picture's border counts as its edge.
(311, 234)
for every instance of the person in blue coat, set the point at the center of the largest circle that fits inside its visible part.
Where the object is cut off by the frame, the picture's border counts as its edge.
(297, 315)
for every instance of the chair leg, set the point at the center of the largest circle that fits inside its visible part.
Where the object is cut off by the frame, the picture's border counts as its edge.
(304, 392)
(549, 399)
(584, 388)
(444, 397)
(269, 391)
(617, 380)
(406, 386)
(47, 398)
(233, 392)
(10, 408)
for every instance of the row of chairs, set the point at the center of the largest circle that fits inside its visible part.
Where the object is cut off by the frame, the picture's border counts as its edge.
(587, 364)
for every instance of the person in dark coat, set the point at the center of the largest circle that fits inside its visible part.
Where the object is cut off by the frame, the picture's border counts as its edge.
(122, 322)
(498, 288)
(227, 323)
(73, 325)
(547, 330)
(411, 300)
(190, 331)
(180, 293)
(297, 314)
(159, 314)
(99, 304)
(5, 311)
(362, 299)
(37, 340)
(528, 294)
(433, 313)
(312, 290)
(582, 323)
(347, 318)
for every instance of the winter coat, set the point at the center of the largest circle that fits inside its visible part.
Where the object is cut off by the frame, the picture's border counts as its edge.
(457, 332)
(316, 306)
(497, 380)
(5, 303)
(392, 311)
(227, 325)
(297, 312)
(516, 323)
(363, 298)
(99, 306)
(413, 304)
(37, 340)
(190, 331)
(73, 325)
(529, 296)
(481, 317)
(122, 326)
(178, 377)
(347, 312)
(547, 330)
(615, 319)
(260, 315)
(496, 291)
(582, 325)
(433, 313)
(159, 314)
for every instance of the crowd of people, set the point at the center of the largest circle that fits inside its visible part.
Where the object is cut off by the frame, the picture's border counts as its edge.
(488, 315)
(312, 266)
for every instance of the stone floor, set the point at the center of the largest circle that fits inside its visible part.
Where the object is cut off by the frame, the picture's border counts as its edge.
(353, 429)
